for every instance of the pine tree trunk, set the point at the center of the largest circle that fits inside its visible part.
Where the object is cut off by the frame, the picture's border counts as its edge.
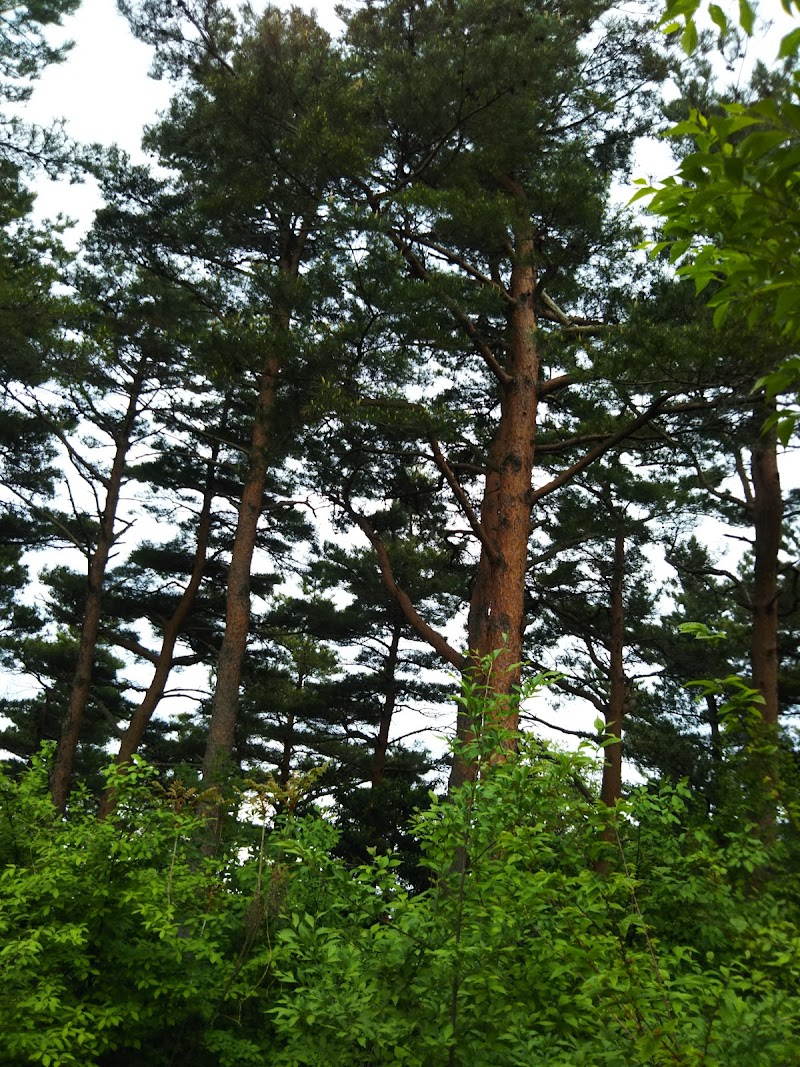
(767, 505)
(285, 768)
(225, 703)
(496, 612)
(66, 749)
(611, 787)
(387, 709)
(717, 752)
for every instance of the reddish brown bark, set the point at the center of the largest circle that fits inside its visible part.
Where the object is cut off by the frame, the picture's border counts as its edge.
(496, 612)
(436, 640)
(66, 749)
(225, 703)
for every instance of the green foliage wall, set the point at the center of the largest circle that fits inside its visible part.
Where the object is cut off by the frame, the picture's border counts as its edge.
(125, 942)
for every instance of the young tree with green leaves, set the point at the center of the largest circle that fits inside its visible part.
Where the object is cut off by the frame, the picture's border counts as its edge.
(730, 215)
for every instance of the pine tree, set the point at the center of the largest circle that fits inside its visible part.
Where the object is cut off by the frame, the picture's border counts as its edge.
(31, 314)
(490, 195)
(248, 203)
(591, 590)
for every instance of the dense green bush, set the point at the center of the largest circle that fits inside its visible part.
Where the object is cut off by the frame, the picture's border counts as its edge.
(125, 942)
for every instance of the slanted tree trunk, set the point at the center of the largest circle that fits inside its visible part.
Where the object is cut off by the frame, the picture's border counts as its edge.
(66, 748)
(225, 702)
(140, 719)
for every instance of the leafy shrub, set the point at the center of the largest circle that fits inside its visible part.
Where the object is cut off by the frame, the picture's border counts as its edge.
(126, 942)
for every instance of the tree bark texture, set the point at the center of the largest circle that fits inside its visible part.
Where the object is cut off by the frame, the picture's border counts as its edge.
(767, 508)
(611, 787)
(496, 611)
(387, 708)
(225, 702)
(767, 522)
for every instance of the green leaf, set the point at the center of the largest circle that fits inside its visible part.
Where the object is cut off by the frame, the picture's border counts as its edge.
(790, 45)
(721, 315)
(718, 17)
(701, 632)
(689, 38)
(785, 427)
(747, 16)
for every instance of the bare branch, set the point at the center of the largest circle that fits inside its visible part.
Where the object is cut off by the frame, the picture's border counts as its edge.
(459, 261)
(464, 321)
(130, 644)
(414, 619)
(107, 714)
(720, 494)
(553, 385)
(586, 461)
(463, 500)
(585, 734)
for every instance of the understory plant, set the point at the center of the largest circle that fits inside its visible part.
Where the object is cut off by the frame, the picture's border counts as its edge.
(554, 931)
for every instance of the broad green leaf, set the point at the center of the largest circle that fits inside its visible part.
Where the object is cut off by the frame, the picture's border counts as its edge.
(721, 315)
(747, 16)
(790, 44)
(718, 17)
(689, 38)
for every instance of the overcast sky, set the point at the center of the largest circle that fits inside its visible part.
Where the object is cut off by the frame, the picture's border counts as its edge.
(103, 93)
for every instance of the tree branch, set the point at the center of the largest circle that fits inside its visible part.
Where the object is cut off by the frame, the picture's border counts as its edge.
(459, 261)
(461, 497)
(581, 465)
(465, 322)
(414, 619)
(553, 385)
(725, 496)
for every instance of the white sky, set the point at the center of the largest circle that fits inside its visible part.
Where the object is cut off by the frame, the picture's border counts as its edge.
(103, 93)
